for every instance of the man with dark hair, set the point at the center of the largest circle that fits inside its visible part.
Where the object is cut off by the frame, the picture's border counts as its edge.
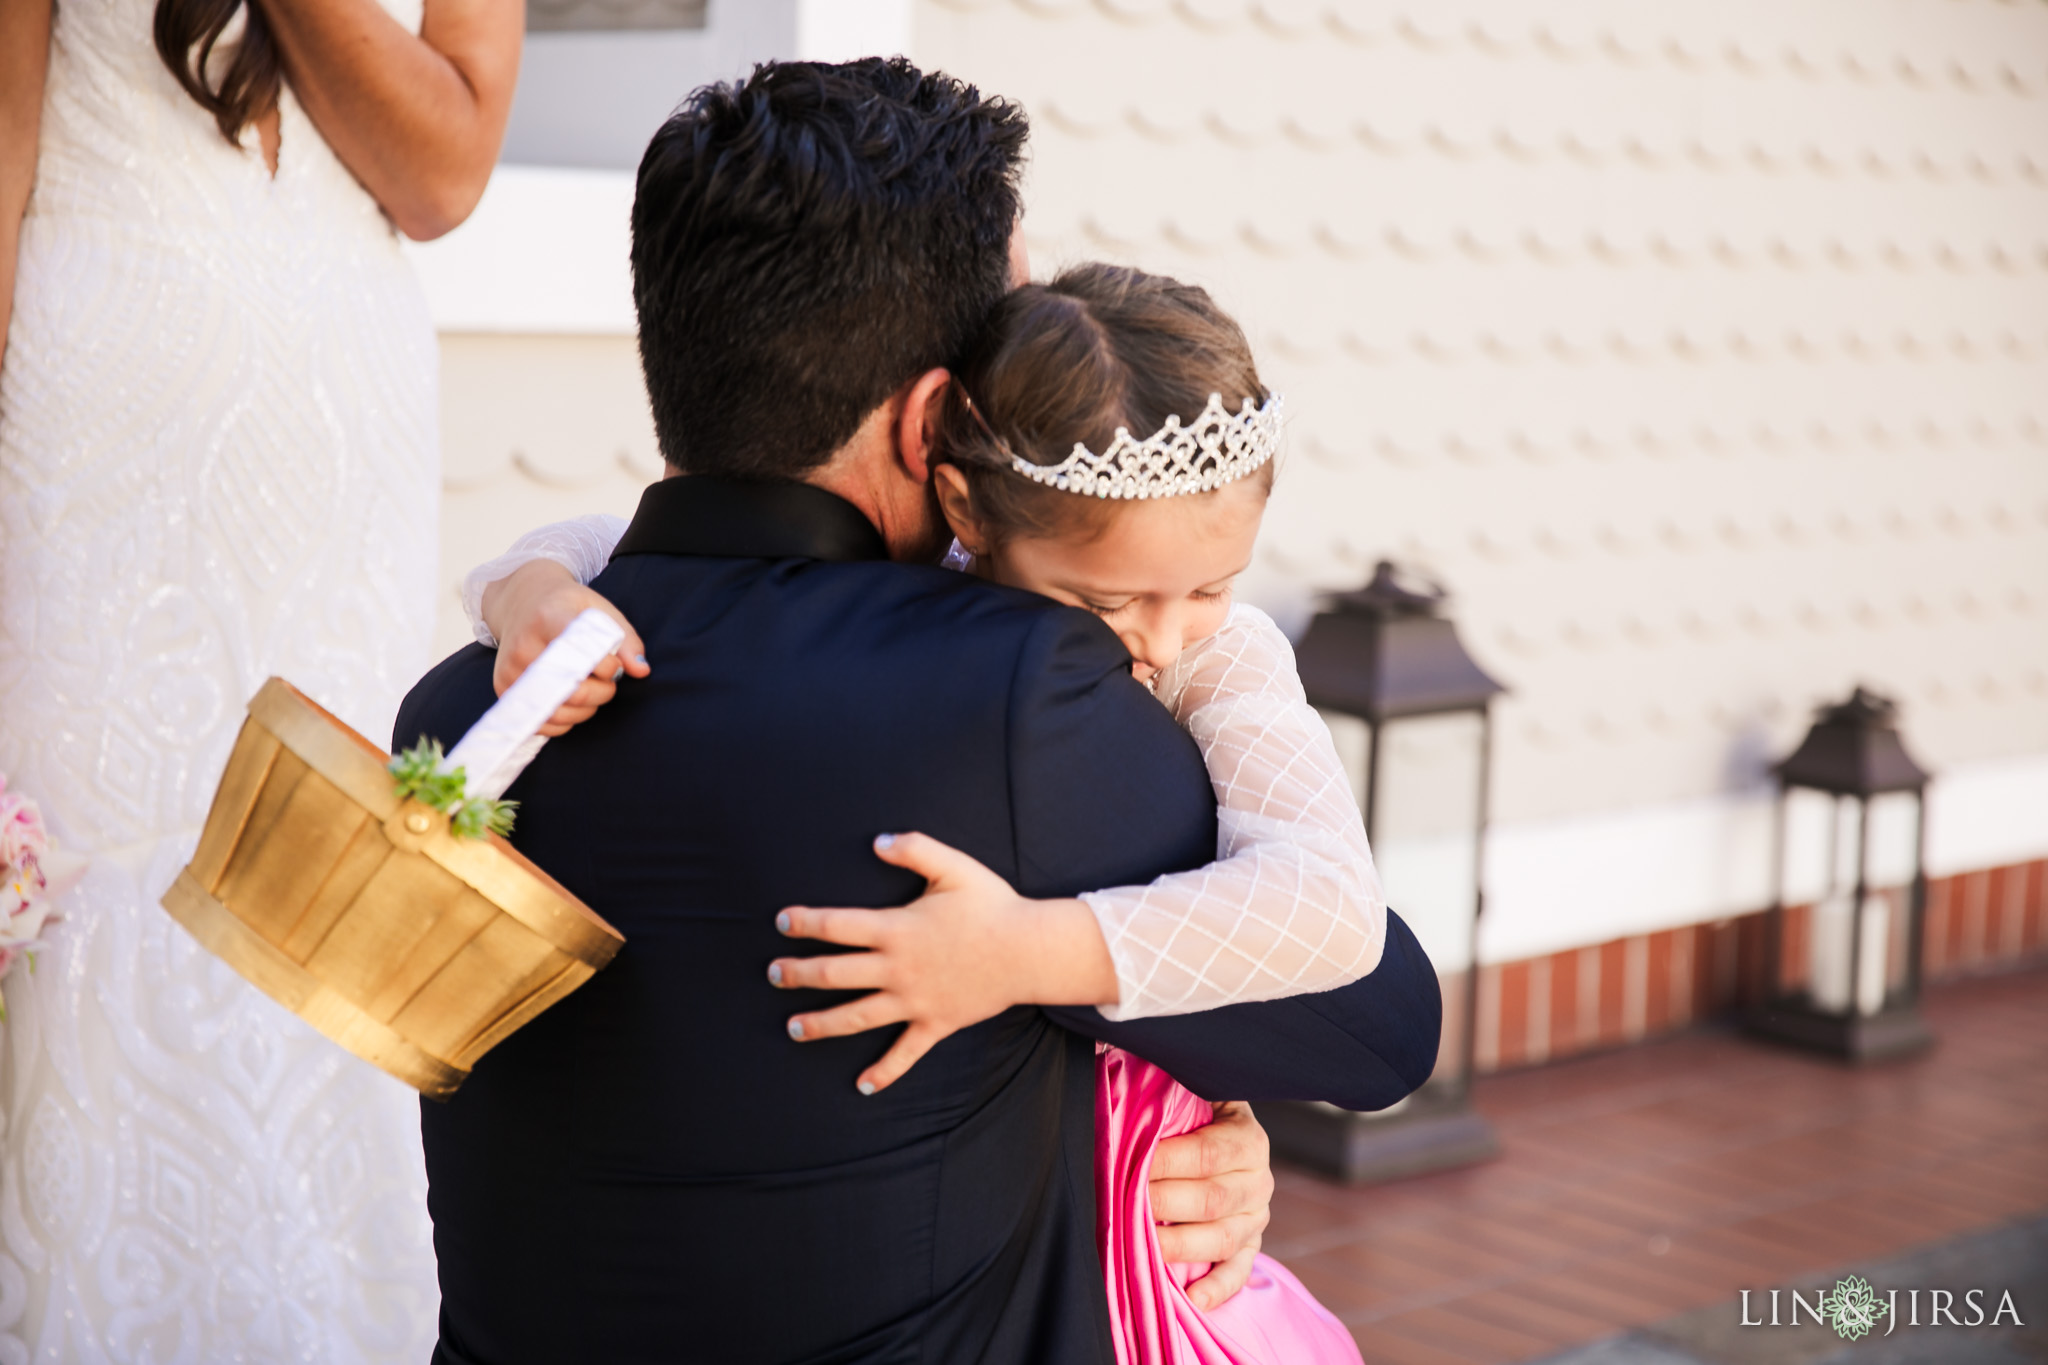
(653, 1170)
(807, 243)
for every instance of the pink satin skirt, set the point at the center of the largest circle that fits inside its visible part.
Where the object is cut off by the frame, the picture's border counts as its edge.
(1271, 1321)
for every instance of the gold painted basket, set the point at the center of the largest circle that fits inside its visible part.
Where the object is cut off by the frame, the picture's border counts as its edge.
(359, 911)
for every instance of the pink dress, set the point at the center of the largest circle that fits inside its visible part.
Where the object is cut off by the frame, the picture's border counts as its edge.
(1271, 1321)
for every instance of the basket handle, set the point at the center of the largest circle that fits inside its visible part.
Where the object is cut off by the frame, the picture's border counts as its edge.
(505, 738)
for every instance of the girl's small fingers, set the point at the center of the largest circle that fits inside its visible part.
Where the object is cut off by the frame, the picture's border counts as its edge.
(505, 671)
(625, 663)
(902, 1055)
(633, 654)
(832, 972)
(922, 854)
(848, 928)
(870, 1011)
(632, 650)
(518, 655)
(594, 692)
(565, 719)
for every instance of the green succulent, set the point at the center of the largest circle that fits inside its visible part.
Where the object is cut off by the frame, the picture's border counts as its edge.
(480, 815)
(423, 775)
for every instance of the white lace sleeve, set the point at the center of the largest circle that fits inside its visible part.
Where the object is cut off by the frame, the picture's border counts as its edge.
(582, 546)
(1292, 904)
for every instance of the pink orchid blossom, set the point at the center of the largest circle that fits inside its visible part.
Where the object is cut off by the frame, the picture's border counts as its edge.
(22, 835)
(32, 874)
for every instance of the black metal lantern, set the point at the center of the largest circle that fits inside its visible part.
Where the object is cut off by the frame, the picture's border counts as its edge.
(1851, 837)
(1410, 713)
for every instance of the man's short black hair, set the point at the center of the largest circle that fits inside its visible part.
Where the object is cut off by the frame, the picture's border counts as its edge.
(805, 243)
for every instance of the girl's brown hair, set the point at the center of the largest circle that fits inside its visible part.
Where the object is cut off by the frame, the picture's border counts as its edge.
(187, 31)
(1100, 347)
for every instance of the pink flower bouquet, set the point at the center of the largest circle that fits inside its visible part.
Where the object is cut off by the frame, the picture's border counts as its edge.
(32, 875)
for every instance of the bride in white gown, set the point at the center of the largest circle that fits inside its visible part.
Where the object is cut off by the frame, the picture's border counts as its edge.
(217, 462)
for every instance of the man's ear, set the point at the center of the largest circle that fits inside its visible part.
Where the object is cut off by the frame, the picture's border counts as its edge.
(917, 423)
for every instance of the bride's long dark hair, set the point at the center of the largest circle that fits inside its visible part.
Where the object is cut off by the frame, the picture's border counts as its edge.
(186, 34)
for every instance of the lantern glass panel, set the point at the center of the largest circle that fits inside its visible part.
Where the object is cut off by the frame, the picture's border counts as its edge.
(1426, 817)
(1426, 835)
(1810, 842)
(1891, 867)
(1833, 945)
(1893, 853)
(1840, 849)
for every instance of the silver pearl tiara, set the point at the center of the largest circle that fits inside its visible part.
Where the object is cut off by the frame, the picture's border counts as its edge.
(1215, 449)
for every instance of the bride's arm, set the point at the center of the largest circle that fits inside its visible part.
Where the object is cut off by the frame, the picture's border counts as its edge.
(1293, 904)
(24, 65)
(417, 119)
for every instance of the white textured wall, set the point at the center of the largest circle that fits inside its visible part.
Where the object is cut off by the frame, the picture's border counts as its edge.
(543, 412)
(534, 429)
(1700, 348)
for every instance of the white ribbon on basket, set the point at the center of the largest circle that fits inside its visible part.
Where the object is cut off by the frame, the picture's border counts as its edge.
(505, 738)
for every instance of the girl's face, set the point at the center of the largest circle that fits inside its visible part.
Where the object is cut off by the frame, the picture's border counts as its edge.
(1160, 572)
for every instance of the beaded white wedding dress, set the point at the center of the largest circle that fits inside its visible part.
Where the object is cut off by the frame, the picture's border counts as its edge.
(217, 462)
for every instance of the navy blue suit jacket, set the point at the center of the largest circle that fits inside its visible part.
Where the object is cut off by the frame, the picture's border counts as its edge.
(653, 1170)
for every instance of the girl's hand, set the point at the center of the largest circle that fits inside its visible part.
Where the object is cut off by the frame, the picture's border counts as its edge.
(533, 604)
(966, 950)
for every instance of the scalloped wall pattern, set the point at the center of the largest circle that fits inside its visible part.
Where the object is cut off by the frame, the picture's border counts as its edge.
(1645, 38)
(1701, 348)
(533, 429)
(1698, 347)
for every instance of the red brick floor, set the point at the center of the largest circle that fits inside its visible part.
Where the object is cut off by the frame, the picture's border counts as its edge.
(1648, 1182)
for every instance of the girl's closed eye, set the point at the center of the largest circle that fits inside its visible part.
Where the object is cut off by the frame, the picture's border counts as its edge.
(1107, 609)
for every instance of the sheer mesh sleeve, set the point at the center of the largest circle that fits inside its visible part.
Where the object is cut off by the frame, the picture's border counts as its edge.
(582, 545)
(1293, 903)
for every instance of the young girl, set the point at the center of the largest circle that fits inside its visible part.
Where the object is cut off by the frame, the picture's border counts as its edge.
(1108, 443)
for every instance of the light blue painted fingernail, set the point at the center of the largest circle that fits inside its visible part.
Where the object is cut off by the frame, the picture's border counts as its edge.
(782, 922)
(866, 1087)
(639, 658)
(775, 973)
(796, 1029)
(885, 842)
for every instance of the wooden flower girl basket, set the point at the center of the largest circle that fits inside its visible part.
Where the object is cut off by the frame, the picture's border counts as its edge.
(393, 919)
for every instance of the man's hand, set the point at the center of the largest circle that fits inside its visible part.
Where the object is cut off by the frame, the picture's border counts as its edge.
(1212, 1193)
(532, 605)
